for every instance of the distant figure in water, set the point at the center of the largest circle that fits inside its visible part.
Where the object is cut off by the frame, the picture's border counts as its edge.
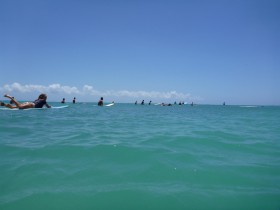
(192, 104)
(224, 103)
(100, 102)
(38, 103)
(142, 103)
(163, 104)
(135, 103)
(74, 100)
(150, 102)
(175, 103)
(63, 101)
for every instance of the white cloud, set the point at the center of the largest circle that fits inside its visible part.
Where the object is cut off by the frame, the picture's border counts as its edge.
(88, 90)
(57, 88)
(53, 88)
(151, 94)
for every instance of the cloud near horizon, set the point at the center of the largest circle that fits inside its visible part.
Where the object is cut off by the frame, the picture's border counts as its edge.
(89, 90)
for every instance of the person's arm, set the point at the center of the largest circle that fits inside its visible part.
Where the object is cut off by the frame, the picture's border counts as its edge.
(47, 105)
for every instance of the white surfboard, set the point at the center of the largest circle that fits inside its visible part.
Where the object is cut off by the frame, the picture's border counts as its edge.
(53, 107)
(59, 107)
(110, 104)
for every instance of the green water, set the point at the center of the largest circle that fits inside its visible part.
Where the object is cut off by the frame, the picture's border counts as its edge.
(140, 157)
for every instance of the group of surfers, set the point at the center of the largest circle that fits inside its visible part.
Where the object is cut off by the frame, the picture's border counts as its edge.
(74, 100)
(40, 102)
(163, 104)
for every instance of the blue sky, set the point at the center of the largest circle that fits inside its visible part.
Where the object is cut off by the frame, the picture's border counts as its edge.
(206, 51)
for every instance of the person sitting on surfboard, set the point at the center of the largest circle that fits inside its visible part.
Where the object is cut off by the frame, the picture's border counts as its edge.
(100, 102)
(63, 101)
(38, 103)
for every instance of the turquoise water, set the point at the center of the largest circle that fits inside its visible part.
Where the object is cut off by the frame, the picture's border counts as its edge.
(140, 157)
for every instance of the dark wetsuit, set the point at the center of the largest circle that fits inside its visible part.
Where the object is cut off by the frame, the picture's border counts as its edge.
(39, 103)
(100, 103)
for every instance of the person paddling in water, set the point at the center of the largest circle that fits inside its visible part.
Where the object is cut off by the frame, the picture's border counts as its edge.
(38, 103)
(100, 102)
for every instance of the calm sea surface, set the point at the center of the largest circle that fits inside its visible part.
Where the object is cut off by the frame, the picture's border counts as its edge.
(140, 157)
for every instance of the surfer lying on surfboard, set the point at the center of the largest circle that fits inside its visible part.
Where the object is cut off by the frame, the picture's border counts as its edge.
(38, 103)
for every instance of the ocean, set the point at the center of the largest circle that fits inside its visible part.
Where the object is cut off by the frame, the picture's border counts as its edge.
(140, 157)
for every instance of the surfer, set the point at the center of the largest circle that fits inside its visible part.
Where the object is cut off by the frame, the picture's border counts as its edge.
(63, 101)
(135, 103)
(38, 103)
(74, 100)
(163, 104)
(142, 103)
(150, 102)
(100, 102)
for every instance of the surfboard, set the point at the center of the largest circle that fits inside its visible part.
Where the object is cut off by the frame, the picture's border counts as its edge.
(59, 107)
(110, 104)
(8, 109)
(44, 108)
